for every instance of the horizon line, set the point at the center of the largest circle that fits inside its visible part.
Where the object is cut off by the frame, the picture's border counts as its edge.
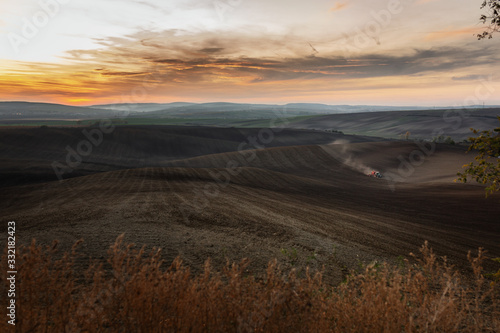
(249, 103)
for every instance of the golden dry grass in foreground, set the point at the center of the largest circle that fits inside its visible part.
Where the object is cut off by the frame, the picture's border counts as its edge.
(133, 293)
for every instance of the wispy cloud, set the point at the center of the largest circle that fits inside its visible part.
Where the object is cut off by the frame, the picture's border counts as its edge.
(471, 77)
(446, 34)
(338, 6)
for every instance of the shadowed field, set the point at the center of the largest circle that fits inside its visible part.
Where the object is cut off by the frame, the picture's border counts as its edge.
(425, 125)
(192, 192)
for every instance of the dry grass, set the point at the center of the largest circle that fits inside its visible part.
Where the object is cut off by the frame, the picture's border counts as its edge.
(132, 292)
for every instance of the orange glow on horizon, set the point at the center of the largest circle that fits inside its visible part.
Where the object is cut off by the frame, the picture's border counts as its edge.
(229, 80)
(78, 101)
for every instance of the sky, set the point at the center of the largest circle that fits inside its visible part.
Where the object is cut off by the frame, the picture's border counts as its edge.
(359, 52)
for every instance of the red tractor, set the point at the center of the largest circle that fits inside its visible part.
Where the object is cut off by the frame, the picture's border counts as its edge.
(375, 174)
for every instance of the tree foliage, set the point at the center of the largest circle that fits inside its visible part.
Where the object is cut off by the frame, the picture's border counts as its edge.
(443, 139)
(487, 169)
(492, 18)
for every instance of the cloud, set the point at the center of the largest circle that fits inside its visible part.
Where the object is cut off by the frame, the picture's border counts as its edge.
(338, 6)
(212, 49)
(105, 72)
(452, 33)
(235, 55)
(467, 77)
(175, 62)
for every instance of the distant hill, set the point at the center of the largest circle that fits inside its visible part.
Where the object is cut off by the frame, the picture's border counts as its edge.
(26, 110)
(426, 124)
(140, 107)
(229, 110)
(380, 121)
(223, 110)
(323, 108)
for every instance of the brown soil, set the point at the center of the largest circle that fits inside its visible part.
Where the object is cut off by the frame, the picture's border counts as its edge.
(190, 192)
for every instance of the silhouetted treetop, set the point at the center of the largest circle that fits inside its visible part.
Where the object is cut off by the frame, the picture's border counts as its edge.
(491, 17)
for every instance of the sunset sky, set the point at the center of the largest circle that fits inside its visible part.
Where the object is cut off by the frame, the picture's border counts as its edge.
(381, 52)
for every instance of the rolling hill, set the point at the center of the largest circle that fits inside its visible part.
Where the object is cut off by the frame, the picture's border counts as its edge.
(45, 111)
(455, 123)
(197, 192)
(418, 124)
